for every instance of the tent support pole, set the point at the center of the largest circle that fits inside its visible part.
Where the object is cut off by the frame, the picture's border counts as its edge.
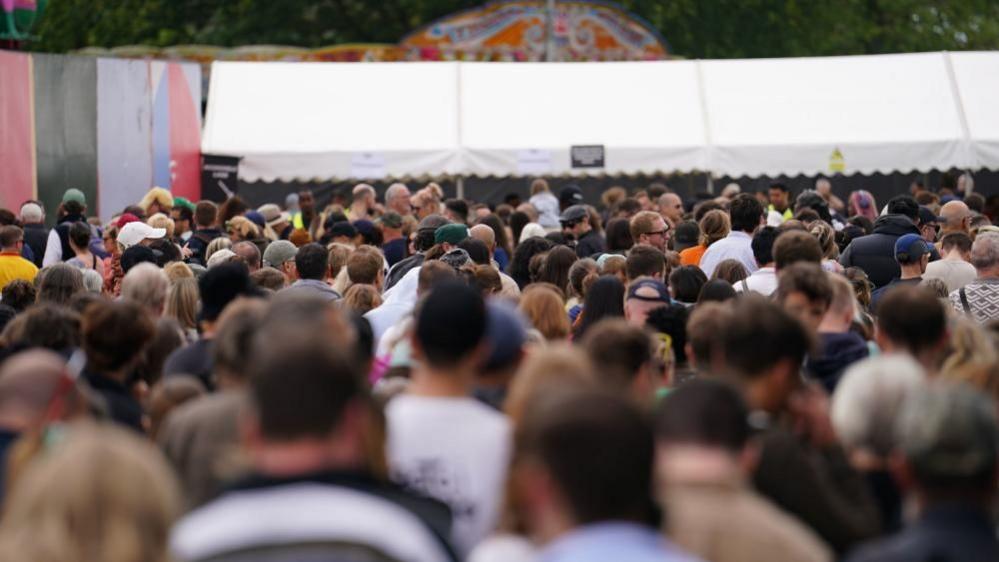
(459, 183)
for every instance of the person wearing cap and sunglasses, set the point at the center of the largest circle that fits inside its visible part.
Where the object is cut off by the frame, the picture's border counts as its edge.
(576, 226)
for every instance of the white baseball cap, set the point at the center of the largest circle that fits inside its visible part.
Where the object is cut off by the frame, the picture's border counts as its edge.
(135, 232)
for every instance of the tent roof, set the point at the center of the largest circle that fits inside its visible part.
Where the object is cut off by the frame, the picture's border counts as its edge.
(757, 117)
(326, 120)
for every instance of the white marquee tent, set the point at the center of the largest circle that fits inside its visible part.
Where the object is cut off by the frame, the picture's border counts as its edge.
(809, 116)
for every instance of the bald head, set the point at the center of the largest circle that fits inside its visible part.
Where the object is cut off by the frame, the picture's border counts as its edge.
(671, 208)
(958, 217)
(28, 381)
(484, 234)
(249, 252)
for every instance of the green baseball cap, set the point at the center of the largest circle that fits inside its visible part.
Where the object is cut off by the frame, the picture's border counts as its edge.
(450, 233)
(391, 220)
(74, 194)
(183, 202)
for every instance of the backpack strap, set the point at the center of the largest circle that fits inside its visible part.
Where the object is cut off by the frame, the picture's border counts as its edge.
(964, 301)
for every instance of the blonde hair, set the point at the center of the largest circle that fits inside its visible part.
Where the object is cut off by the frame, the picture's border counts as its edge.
(220, 243)
(545, 308)
(246, 228)
(539, 185)
(546, 370)
(159, 220)
(362, 298)
(182, 302)
(973, 358)
(157, 195)
(429, 195)
(843, 297)
(177, 270)
(715, 225)
(613, 196)
(101, 494)
(826, 237)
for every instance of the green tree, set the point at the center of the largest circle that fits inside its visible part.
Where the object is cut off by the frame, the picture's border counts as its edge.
(694, 28)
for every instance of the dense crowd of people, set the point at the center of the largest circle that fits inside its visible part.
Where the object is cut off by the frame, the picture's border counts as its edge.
(735, 378)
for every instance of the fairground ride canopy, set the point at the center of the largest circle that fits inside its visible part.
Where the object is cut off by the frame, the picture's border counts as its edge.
(516, 30)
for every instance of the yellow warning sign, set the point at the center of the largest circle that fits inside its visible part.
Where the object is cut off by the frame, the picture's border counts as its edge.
(836, 161)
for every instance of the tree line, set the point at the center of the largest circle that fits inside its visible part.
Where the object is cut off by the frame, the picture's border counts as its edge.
(693, 28)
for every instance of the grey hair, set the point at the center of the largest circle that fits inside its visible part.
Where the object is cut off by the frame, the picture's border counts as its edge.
(869, 399)
(948, 433)
(92, 281)
(394, 190)
(31, 213)
(147, 285)
(985, 250)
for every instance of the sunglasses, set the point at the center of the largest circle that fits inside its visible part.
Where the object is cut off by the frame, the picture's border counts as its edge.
(658, 232)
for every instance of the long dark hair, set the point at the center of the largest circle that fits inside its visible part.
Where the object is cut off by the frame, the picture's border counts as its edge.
(555, 269)
(619, 235)
(604, 299)
(495, 223)
(518, 220)
(520, 263)
(686, 283)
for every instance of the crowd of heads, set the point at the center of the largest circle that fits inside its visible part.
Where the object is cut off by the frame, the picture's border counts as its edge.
(484, 376)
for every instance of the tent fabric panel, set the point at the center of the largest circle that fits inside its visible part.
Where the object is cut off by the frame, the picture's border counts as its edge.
(124, 129)
(325, 109)
(65, 96)
(17, 149)
(893, 105)
(185, 135)
(617, 161)
(323, 166)
(818, 159)
(192, 73)
(502, 106)
(849, 115)
(160, 90)
(977, 78)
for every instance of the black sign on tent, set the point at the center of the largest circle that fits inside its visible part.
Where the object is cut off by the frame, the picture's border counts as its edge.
(219, 177)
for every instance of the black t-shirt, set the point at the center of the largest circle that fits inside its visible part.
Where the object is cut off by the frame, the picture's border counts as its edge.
(122, 407)
(194, 360)
(395, 251)
(590, 244)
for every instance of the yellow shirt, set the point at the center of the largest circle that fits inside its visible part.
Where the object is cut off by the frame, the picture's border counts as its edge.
(13, 266)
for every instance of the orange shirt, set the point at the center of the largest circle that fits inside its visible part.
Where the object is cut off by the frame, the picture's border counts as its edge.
(692, 256)
(13, 266)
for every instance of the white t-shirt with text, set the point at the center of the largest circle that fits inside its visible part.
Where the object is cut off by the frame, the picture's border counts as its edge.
(455, 450)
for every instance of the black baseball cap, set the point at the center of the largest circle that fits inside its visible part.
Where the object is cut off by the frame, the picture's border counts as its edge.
(570, 195)
(926, 216)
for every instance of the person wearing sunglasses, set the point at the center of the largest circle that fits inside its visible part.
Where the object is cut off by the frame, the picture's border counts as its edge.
(649, 227)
